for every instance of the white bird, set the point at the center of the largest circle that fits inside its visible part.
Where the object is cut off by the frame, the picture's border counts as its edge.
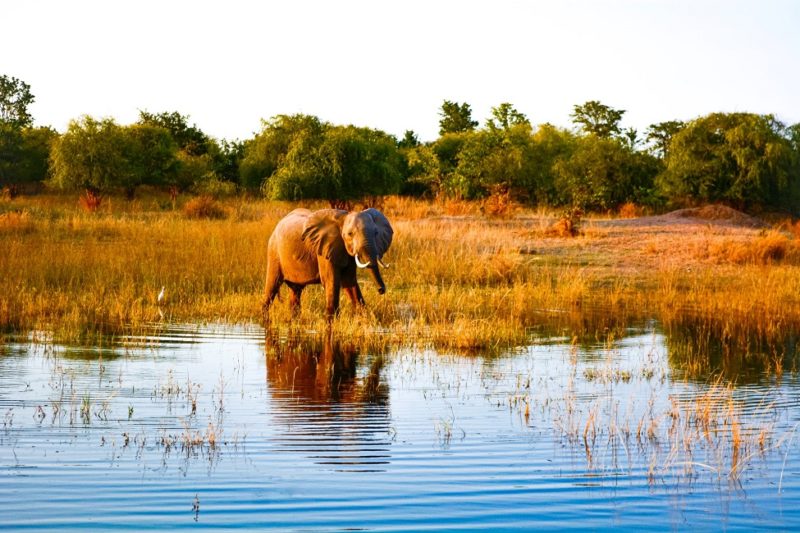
(161, 295)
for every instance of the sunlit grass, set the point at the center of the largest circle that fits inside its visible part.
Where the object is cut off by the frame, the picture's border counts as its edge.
(457, 281)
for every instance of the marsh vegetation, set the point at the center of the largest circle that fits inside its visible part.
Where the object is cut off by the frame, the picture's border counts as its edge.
(655, 355)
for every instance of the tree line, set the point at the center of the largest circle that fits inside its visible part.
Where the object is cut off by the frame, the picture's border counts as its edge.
(747, 160)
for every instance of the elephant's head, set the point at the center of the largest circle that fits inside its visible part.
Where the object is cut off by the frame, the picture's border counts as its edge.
(338, 235)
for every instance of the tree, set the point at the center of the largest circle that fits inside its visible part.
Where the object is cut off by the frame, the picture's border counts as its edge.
(15, 146)
(455, 118)
(279, 136)
(15, 97)
(151, 156)
(602, 174)
(227, 159)
(92, 155)
(598, 119)
(661, 134)
(24, 155)
(499, 157)
(550, 145)
(409, 140)
(344, 163)
(504, 117)
(741, 158)
(189, 138)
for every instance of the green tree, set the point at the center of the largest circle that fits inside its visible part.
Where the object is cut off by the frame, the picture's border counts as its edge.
(499, 157)
(602, 174)
(15, 141)
(24, 155)
(345, 163)
(409, 140)
(455, 118)
(227, 158)
(550, 145)
(151, 156)
(280, 136)
(598, 119)
(189, 138)
(92, 155)
(660, 135)
(423, 171)
(504, 117)
(740, 158)
(15, 97)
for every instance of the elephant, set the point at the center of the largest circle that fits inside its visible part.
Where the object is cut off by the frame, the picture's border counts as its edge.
(326, 246)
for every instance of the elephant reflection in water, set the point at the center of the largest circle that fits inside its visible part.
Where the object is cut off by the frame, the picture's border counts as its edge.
(325, 409)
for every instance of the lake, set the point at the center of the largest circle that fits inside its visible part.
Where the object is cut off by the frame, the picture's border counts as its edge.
(226, 427)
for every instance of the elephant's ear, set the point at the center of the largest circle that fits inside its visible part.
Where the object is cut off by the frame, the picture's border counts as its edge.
(383, 238)
(323, 232)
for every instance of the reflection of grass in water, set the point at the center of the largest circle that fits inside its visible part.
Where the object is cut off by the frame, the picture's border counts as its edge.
(709, 430)
(457, 283)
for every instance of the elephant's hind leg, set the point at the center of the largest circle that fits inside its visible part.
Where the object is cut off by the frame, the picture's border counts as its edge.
(294, 299)
(271, 287)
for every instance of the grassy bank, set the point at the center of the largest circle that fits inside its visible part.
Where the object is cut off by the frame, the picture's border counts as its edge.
(457, 280)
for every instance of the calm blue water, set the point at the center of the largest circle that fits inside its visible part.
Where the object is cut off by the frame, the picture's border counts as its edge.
(210, 428)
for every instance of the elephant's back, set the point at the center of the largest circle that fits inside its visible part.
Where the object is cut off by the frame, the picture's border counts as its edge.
(291, 224)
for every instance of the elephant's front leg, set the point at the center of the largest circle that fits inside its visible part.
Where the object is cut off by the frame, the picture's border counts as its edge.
(350, 286)
(355, 296)
(332, 283)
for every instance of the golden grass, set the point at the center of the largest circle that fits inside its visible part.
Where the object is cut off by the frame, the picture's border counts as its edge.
(460, 282)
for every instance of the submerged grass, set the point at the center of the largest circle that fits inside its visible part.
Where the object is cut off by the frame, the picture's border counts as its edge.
(459, 282)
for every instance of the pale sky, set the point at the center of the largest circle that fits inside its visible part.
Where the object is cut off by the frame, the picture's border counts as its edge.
(389, 64)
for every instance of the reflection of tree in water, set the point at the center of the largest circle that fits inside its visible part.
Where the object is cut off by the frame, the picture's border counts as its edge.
(699, 347)
(327, 410)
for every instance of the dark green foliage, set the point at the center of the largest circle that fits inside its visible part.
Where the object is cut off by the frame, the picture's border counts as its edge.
(151, 155)
(409, 140)
(15, 97)
(189, 138)
(92, 155)
(279, 136)
(24, 154)
(299, 156)
(740, 158)
(227, 158)
(744, 159)
(661, 134)
(344, 163)
(598, 119)
(455, 118)
(603, 173)
(550, 145)
(24, 150)
(497, 158)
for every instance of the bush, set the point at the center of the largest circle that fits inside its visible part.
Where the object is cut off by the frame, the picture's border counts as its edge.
(204, 207)
(90, 200)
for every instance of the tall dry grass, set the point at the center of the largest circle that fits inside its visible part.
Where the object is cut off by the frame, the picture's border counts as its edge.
(461, 282)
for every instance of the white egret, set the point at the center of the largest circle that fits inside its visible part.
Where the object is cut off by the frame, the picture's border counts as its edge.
(161, 295)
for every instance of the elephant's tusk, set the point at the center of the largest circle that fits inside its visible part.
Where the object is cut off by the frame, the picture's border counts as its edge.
(381, 263)
(360, 264)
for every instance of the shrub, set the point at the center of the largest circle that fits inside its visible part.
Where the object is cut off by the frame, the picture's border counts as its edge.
(628, 210)
(90, 200)
(204, 207)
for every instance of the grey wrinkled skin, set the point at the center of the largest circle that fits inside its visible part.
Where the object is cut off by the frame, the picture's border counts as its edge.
(321, 247)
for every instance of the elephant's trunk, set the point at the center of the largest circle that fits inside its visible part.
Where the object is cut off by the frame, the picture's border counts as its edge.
(372, 264)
